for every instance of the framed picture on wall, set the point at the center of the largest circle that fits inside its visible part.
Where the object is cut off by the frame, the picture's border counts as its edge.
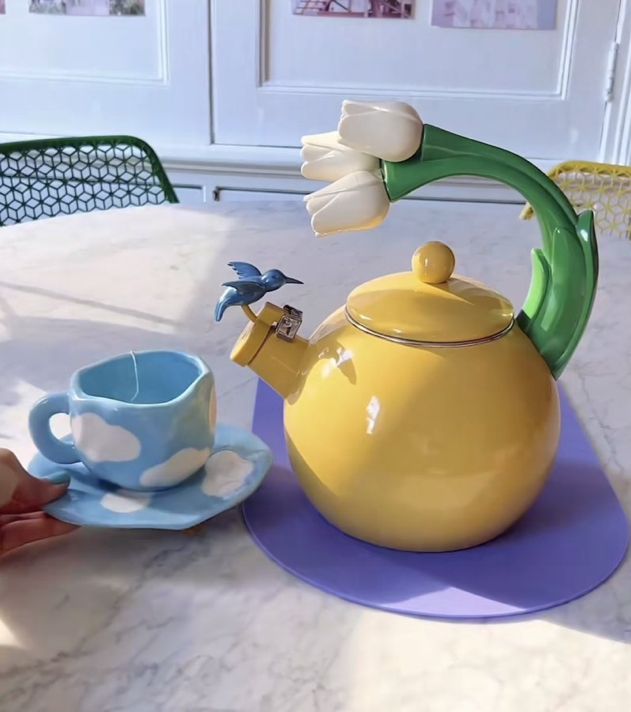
(401, 9)
(94, 8)
(495, 14)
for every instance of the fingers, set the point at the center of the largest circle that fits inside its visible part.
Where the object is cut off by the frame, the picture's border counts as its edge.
(8, 475)
(25, 530)
(8, 518)
(32, 494)
(20, 521)
(10, 464)
(29, 493)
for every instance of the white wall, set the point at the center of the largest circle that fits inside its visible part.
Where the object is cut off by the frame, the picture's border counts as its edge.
(275, 76)
(73, 75)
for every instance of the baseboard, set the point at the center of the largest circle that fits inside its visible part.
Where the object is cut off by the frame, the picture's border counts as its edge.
(207, 170)
(270, 169)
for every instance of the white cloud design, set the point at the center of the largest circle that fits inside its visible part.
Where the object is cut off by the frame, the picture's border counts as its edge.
(176, 469)
(125, 501)
(102, 442)
(226, 471)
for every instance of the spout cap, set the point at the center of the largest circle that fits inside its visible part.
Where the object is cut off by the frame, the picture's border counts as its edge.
(253, 336)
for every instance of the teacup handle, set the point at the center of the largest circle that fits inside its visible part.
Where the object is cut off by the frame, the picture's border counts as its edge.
(39, 424)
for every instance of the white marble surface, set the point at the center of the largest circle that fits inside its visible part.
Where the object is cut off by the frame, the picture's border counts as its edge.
(111, 621)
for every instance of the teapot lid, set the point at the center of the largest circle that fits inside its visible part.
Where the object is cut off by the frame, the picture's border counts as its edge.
(428, 304)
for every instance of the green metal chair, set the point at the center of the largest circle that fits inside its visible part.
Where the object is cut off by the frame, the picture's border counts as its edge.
(50, 177)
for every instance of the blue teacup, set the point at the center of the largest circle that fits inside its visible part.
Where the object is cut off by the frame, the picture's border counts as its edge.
(143, 421)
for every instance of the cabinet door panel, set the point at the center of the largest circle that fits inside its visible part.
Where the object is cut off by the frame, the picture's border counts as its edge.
(277, 75)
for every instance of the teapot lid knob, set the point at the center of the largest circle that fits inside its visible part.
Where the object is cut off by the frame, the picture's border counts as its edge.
(433, 263)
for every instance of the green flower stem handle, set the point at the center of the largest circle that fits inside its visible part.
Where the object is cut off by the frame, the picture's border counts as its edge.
(565, 271)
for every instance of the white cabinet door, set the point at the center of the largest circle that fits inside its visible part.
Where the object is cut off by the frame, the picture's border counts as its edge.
(539, 92)
(68, 75)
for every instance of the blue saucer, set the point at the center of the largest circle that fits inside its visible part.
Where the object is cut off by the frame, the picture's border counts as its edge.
(236, 468)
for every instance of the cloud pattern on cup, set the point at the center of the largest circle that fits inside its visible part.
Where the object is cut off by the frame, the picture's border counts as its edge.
(126, 501)
(225, 473)
(103, 442)
(176, 469)
(223, 476)
(235, 470)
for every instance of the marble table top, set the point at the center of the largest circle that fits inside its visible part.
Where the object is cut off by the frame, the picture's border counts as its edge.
(150, 621)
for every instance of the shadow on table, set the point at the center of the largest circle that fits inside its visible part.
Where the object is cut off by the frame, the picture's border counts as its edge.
(395, 578)
(101, 592)
(117, 569)
(107, 561)
(117, 603)
(46, 351)
(81, 301)
(569, 541)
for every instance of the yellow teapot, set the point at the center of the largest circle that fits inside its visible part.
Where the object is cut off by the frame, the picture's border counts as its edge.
(423, 414)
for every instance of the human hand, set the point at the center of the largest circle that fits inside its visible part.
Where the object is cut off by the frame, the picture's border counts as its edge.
(22, 496)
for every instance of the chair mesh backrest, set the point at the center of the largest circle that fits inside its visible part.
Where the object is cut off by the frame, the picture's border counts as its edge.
(51, 177)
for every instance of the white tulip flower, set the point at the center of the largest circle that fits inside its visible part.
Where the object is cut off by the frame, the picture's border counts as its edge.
(325, 158)
(357, 201)
(390, 130)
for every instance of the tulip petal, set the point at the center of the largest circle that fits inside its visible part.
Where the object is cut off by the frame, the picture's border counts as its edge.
(325, 158)
(357, 201)
(390, 130)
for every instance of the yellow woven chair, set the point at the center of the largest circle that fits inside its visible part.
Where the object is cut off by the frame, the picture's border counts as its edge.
(601, 187)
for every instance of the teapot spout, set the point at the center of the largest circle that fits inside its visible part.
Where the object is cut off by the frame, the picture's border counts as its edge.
(270, 347)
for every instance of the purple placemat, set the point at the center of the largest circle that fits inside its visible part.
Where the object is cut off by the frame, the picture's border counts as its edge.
(574, 538)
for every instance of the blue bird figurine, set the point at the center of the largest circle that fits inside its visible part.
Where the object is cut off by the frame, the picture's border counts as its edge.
(251, 286)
